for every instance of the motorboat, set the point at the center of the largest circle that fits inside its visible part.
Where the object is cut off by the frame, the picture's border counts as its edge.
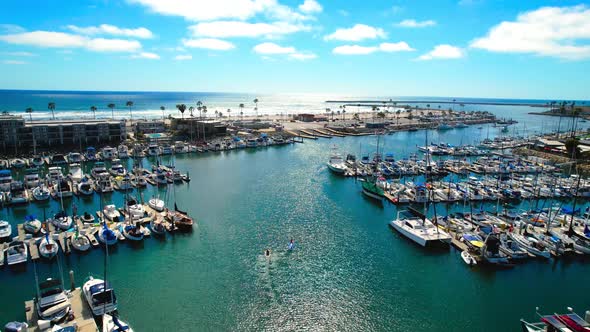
(491, 253)
(62, 221)
(5, 229)
(57, 159)
(180, 147)
(137, 151)
(18, 163)
(5, 180)
(108, 236)
(177, 176)
(87, 218)
(153, 150)
(48, 247)
(76, 173)
(104, 184)
(99, 296)
(54, 175)
(99, 170)
(140, 181)
(111, 213)
(108, 153)
(531, 245)
(157, 226)
(17, 253)
(53, 303)
(420, 230)
(75, 158)
(36, 161)
(123, 183)
(135, 209)
(167, 149)
(468, 258)
(512, 249)
(132, 232)
(336, 164)
(156, 203)
(85, 187)
(16, 327)
(558, 323)
(114, 324)
(117, 168)
(18, 193)
(371, 189)
(63, 189)
(159, 176)
(32, 225)
(123, 151)
(181, 220)
(80, 242)
(90, 154)
(32, 178)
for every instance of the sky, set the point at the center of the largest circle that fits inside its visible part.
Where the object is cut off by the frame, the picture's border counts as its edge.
(460, 48)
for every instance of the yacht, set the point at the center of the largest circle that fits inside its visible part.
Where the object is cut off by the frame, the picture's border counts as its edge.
(32, 225)
(123, 151)
(41, 193)
(85, 187)
(420, 230)
(18, 193)
(104, 185)
(180, 147)
(75, 158)
(91, 154)
(111, 213)
(336, 164)
(108, 153)
(156, 203)
(36, 161)
(123, 183)
(32, 179)
(135, 209)
(48, 247)
(99, 170)
(108, 236)
(5, 180)
(117, 168)
(62, 221)
(57, 159)
(53, 303)
(251, 143)
(160, 177)
(17, 253)
(167, 149)
(153, 150)
(137, 151)
(5, 230)
(76, 172)
(100, 296)
(114, 324)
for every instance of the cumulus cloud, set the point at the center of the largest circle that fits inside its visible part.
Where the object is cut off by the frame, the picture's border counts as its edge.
(303, 56)
(357, 33)
(14, 62)
(547, 31)
(106, 29)
(443, 51)
(182, 57)
(11, 28)
(363, 50)
(228, 29)
(146, 55)
(310, 6)
(411, 23)
(275, 49)
(67, 40)
(209, 43)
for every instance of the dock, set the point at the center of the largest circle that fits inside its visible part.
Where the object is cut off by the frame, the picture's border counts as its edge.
(83, 319)
(300, 135)
(315, 134)
(3, 248)
(461, 246)
(330, 132)
(33, 250)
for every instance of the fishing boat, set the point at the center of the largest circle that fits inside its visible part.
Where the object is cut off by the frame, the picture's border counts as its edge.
(5, 230)
(468, 258)
(75, 158)
(558, 323)
(180, 147)
(5, 180)
(99, 296)
(113, 324)
(117, 168)
(53, 303)
(80, 242)
(48, 247)
(156, 203)
(108, 153)
(531, 245)
(371, 189)
(111, 213)
(87, 218)
(420, 230)
(62, 221)
(17, 253)
(85, 187)
(32, 225)
(99, 170)
(76, 173)
(336, 164)
(123, 151)
(18, 193)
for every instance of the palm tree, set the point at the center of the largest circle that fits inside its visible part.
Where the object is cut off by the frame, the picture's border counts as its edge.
(200, 108)
(130, 104)
(332, 116)
(561, 113)
(229, 114)
(93, 110)
(256, 107)
(338, 112)
(30, 111)
(162, 108)
(181, 108)
(205, 114)
(191, 110)
(112, 107)
(216, 113)
(51, 107)
(241, 106)
(397, 116)
(344, 115)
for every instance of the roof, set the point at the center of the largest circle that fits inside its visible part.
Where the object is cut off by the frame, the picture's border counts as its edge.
(548, 142)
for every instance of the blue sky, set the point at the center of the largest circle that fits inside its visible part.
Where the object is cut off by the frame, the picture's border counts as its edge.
(462, 48)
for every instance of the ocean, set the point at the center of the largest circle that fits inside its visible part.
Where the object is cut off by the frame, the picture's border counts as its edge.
(349, 271)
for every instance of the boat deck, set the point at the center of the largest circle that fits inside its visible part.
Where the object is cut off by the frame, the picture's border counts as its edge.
(83, 321)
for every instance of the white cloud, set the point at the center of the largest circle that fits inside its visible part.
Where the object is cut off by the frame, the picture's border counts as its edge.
(209, 43)
(416, 24)
(203, 10)
(66, 40)
(14, 62)
(146, 55)
(547, 31)
(11, 28)
(303, 56)
(272, 48)
(227, 29)
(106, 29)
(363, 50)
(357, 33)
(23, 54)
(443, 51)
(310, 6)
(183, 57)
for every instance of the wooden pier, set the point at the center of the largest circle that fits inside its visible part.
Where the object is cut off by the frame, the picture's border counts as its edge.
(83, 320)
(33, 250)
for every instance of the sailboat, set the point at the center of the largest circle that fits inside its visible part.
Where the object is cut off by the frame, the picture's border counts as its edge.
(80, 242)
(420, 230)
(48, 247)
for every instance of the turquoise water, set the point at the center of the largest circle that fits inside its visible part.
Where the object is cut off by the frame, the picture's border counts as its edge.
(348, 272)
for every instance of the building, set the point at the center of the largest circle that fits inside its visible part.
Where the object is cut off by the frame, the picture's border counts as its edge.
(308, 117)
(16, 133)
(196, 127)
(150, 126)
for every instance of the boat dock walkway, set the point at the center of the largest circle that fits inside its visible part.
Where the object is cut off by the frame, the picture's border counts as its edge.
(3, 248)
(461, 246)
(299, 134)
(315, 134)
(83, 320)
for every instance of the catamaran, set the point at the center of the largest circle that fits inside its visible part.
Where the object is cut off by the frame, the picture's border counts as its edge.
(420, 230)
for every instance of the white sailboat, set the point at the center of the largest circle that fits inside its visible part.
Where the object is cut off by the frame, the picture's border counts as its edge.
(420, 230)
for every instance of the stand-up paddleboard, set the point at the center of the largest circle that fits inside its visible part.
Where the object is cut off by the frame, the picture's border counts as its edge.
(291, 246)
